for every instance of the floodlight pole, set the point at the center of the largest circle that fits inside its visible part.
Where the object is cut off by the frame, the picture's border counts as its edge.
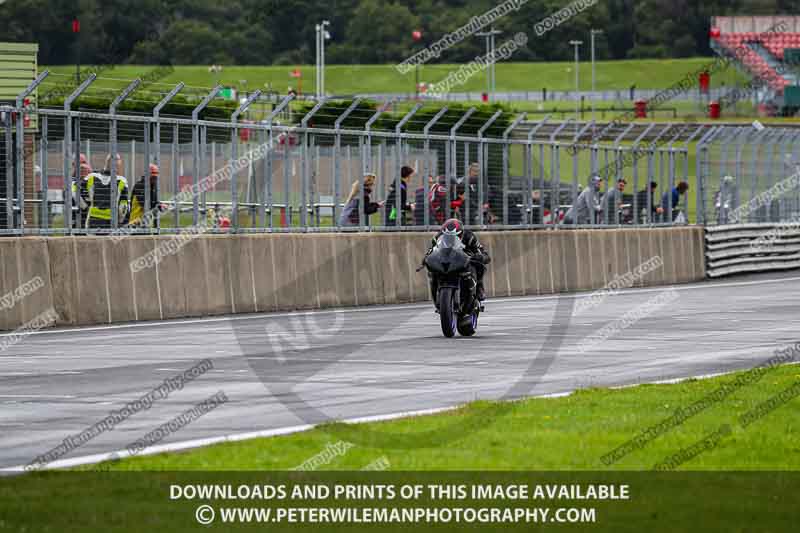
(592, 33)
(490, 73)
(577, 45)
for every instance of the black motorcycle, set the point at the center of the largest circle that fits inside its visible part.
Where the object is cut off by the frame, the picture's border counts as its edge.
(455, 285)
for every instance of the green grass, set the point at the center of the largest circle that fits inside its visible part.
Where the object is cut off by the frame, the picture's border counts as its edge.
(349, 79)
(567, 433)
(746, 482)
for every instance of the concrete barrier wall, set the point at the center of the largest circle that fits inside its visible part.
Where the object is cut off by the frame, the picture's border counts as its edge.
(89, 280)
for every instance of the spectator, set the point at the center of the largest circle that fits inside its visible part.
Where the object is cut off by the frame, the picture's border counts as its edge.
(80, 199)
(477, 211)
(537, 208)
(438, 200)
(352, 210)
(419, 202)
(390, 207)
(587, 205)
(98, 186)
(457, 204)
(724, 198)
(670, 203)
(641, 204)
(140, 205)
(612, 202)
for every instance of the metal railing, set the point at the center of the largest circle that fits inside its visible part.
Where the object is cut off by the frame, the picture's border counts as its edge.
(229, 176)
(748, 174)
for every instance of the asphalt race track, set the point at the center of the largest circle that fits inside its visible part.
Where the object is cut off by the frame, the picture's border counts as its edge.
(288, 370)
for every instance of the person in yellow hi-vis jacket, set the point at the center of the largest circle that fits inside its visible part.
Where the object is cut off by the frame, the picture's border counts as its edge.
(98, 187)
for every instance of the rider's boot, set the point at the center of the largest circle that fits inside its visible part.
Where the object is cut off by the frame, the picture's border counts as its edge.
(480, 292)
(433, 289)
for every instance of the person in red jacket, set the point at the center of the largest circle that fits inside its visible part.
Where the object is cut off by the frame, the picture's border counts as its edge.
(438, 199)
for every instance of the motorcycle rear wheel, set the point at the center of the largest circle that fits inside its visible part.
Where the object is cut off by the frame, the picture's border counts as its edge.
(468, 324)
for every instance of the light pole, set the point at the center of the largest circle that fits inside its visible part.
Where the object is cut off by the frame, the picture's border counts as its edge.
(593, 32)
(316, 58)
(322, 36)
(577, 45)
(490, 80)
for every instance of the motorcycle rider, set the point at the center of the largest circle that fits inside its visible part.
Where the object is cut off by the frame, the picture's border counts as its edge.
(479, 257)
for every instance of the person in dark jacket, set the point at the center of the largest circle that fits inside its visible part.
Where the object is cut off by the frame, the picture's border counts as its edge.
(80, 195)
(141, 214)
(419, 203)
(641, 204)
(480, 213)
(352, 210)
(670, 202)
(390, 207)
(612, 202)
(472, 246)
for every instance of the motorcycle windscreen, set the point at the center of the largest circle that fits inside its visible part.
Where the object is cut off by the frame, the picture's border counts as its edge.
(448, 256)
(449, 240)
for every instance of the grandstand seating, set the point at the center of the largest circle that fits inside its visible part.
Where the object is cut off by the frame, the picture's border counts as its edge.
(737, 44)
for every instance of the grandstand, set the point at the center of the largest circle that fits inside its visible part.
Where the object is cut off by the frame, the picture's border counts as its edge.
(759, 47)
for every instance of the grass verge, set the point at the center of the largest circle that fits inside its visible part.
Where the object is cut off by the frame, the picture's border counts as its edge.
(352, 79)
(565, 433)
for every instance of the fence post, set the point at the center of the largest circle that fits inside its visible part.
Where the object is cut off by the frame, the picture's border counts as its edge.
(20, 167)
(67, 146)
(576, 165)
(481, 145)
(427, 147)
(112, 110)
(702, 150)
(454, 146)
(235, 156)
(399, 131)
(270, 118)
(671, 167)
(337, 126)
(176, 176)
(795, 170)
(306, 140)
(11, 170)
(44, 215)
(555, 174)
(506, 157)
(157, 148)
(531, 134)
(785, 147)
(651, 151)
(366, 159)
(196, 152)
(694, 134)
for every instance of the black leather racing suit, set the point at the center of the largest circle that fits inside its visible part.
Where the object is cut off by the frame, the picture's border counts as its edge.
(474, 248)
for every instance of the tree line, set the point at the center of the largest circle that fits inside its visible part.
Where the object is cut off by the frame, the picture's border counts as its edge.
(282, 32)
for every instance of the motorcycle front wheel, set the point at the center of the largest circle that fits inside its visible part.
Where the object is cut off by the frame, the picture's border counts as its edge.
(447, 312)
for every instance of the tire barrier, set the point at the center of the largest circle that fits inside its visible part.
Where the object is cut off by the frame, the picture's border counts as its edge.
(743, 248)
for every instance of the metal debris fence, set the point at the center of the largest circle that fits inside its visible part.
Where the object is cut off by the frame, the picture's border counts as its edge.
(282, 173)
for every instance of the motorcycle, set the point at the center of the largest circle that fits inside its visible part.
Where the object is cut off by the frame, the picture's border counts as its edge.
(456, 295)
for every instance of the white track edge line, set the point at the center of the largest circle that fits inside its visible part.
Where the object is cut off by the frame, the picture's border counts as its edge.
(237, 437)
